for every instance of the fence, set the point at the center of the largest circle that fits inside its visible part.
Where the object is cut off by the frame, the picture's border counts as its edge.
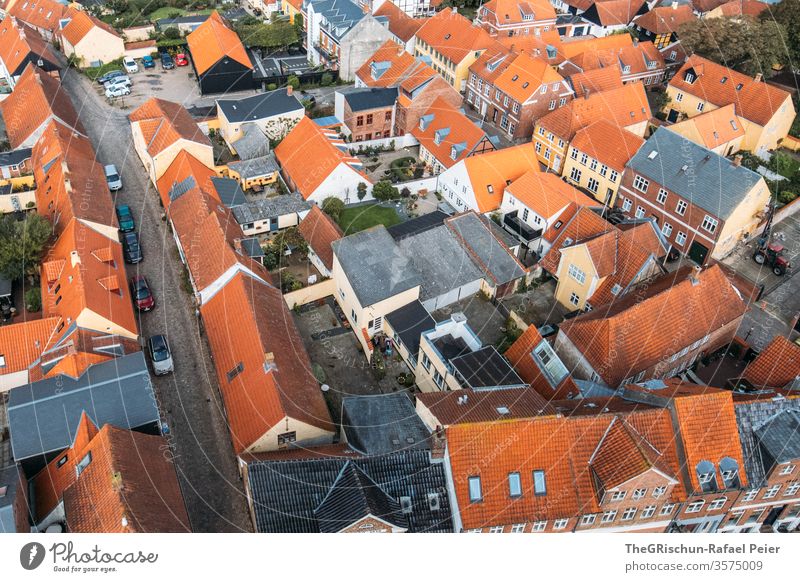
(400, 141)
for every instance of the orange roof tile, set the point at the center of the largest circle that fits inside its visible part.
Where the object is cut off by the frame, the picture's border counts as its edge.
(596, 80)
(666, 19)
(320, 230)
(524, 76)
(545, 193)
(536, 46)
(577, 45)
(75, 364)
(41, 14)
(21, 344)
(212, 41)
(163, 123)
(608, 143)
(486, 406)
(492, 63)
(81, 24)
(642, 58)
(396, 62)
(521, 358)
(712, 128)
(182, 167)
(18, 41)
(671, 313)
(453, 36)
(455, 130)
(504, 12)
(248, 323)
(491, 172)
(582, 224)
(776, 366)
(743, 8)
(755, 100)
(616, 12)
(36, 99)
(400, 24)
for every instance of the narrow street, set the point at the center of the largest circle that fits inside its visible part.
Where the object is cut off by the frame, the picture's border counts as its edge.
(189, 399)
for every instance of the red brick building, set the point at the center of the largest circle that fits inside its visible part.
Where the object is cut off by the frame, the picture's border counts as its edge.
(367, 113)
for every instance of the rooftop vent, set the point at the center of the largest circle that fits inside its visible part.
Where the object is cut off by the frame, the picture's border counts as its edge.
(433, 501)
(652, 155)
(405, 505)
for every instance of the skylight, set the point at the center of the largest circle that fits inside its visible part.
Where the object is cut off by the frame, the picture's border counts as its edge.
(652, 155)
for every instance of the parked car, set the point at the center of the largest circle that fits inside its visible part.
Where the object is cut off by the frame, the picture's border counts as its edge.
(166, 61)
(148, 62)
(125, 218)
(160, 355)
(131, 249)
(117, 91)
(110, 75)
(181, 60)
(141, 293)
(112, 177)
(130, 65)
(124, 80)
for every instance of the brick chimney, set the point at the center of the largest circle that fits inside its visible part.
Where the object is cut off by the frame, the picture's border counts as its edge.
(759, 77)
(289, 90)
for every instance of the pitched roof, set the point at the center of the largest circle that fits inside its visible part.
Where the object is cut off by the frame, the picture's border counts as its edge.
(641, 58)
(608, 143)
(310, 146)
(185, 172)
(80, 24)
(625, 106)
(672, 312)
(755, 100)
(320, 230)
(524, 76)
(666, 19)
(382, 424)
(575, 45)
(545, 193)
(23, 343)
(42, 14)
(777, 366)
(389, 65)
(711, 181)
(613, 12)
(491, 172)
(520, 354)
(712, 128)
(514, 11)
(19, 42)
(452, 407)
(212, 41)
(365, 98)
(260, 106)
(582, 225)
(453, 36)
(400, 24)
(162, 123)
(249, 326)
(596, 80)
(37, 98)
(779, 437)
(743, 8)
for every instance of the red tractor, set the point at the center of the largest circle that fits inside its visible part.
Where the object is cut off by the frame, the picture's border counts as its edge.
(772, 255)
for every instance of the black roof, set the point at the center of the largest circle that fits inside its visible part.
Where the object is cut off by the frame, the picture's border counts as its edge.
(286, 493)
(417, 225)
(10, 480)
(353, 497)
(779, 436)
(410, 322)
(14, 157)
(259, 106)
(229, 191)
(486, 368)
(382, 424)
(370, 98)
(43, 416)
(252, 247)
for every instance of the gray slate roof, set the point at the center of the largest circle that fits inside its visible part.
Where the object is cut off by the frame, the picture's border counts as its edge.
(14, 157)
(229, 191)
(272, 207)
(488, 253)
(43, 416)
(362, 99)
(255, 167)
(410, 322)
(341, 15)
(375, 266)
(780, 436)
(260, 106)
(752, 418)
(703, 177)
(383, 424)
(286, 492)
(9, 478)
(253, 143)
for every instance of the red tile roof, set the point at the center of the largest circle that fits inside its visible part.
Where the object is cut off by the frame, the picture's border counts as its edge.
(400, 24)
(755, 100)
(524, 76)
(506, 12)
(81, 24)
(36, 99)
(491, 172)
(596, 80)
(21, 344)
(401, 63)
(182, 167)
(320, 230)
(642, 58)
(450, 408)
(713, 128)
(583, 224)
(453, 36)
(608, 143)
(743, 8)
(18, 41)
(162, 123)
(248, 323)
(520, 356)
(41, 14)
(214, 40)
(776, 366)
(666, 19)
(546, 194)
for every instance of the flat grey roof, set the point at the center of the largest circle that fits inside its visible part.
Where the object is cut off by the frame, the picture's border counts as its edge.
(488, 253)
(486, 368)
(699, 175)
(382, 424)
(272, 207)
(255, 167)
(43, 416)
(261, 106)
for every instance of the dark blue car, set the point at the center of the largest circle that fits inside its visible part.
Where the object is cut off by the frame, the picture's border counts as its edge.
(166, 61)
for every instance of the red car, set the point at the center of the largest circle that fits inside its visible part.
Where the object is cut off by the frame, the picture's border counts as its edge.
(141, 293)
(181, 60)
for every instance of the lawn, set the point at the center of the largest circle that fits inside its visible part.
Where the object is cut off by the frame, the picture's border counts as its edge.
(359, 218)
(785, 164)
(168, 11)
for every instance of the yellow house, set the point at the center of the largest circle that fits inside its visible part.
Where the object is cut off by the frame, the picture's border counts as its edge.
(766, 112)
(293, 9)
(596, 159)
(719, 130)
(91, 41)
(453, 44)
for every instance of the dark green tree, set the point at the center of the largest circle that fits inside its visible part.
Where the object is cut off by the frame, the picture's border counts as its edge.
(22, 244)
(333, 207)
(384, 190)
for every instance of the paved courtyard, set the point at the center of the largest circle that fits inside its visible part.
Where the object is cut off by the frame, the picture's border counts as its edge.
(482, 316)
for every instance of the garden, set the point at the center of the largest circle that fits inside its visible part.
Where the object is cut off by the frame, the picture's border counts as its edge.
(358, 218)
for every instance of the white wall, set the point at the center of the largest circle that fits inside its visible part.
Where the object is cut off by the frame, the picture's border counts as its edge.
(342, 183)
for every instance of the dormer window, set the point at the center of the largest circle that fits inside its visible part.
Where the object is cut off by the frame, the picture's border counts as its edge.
(689, 77)
(730, 473)
(514, 78)
(453, 153)
(706, 476)
(626, 69)
(489, 189)
(723, 79)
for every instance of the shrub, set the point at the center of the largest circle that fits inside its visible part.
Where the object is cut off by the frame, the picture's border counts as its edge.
(333, 207)
(172, 33)
(293, 82)
(326, 80)
(383, 190)
(33, 299)
(272, 87)
(786, 196)
(362, 190)
(405, 192)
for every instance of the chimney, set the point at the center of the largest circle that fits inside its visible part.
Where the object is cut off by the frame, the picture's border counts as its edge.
(759, 77)
(737, 160)
(289, 90)
(694, 276)
(455, 10)
(674, 5)
(75, 258)
(269, 361)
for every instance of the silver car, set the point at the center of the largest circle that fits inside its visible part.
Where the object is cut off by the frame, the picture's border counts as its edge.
(123, 81)
(113, 178)
(160, 355)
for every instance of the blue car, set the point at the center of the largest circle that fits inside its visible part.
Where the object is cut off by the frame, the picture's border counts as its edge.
(148, 62)
(166, 61)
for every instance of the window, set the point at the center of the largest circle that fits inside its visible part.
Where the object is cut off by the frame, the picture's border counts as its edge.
(539, 484)
(496, 529)
(575, 175)
(603, 170)
(772, 491)
(755, 516)
(629, 514)
(710, 224)
(573, 154)
(679, 97)
(562, 102)
(83, 463)
(626, 204)
(666, 229)
(549, 363)
(640, 183)
(680, 208)
(700, 106)
(680, 239)
(792, 489)
(359, 121)
(618, 496)
(497, 95)
(514, 485)
(735, 517)
(662, 196)
(539, 526)
(62, 460)
(640, 212)
(587, 519)
(238, 369)
(552, 105)
(388, 116)
(787, 470)
(515, 107)
(613, 176)
(574, 299)
(592, 185)
(718, 503)
(577, 274)
(750, 495)
(475, 493)
(543, 89)
(538, 148)
(426, 362)
(518, 528)
(286, 438)
(609, 516)
(560, 523)
(541, 130)
(369, 118)
(667, 508)
(547, 154)
(638, 493)
(695, 506)
(727, 466)
(648, 511)
(437, 378)
(505, 101)
(584, 159)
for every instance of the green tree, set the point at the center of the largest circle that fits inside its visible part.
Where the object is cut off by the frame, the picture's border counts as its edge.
(384, 190)
(787, 14)
(333, 207)
(361, 189)
(22, 244)
(742, 43)
(293, 82)
(326, 79)
(172, 33)
(33, 299)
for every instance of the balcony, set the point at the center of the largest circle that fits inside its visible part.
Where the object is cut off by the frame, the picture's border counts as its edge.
(326, 53)
(513, 224)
